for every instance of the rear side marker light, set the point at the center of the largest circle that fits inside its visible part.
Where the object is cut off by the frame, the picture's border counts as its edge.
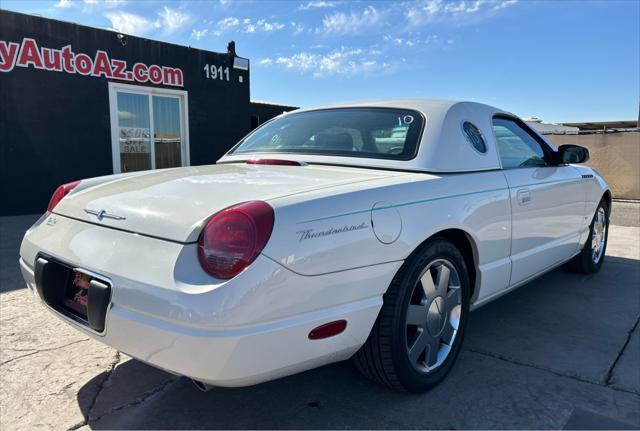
(328, 330)
(60, 193)
(275, 162)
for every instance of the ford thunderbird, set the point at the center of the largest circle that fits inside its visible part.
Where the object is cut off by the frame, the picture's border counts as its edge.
(365, 231)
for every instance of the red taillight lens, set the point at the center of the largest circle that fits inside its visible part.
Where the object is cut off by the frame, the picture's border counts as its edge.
(60, 193)
(233, 238)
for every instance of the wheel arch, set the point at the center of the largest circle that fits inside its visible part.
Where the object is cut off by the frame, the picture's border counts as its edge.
(464, 242)
(608, 199)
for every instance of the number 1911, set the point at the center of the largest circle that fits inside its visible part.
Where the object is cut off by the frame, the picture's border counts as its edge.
(212, 71)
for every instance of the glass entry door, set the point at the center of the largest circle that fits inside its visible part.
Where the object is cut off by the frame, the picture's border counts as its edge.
(167, 136)
(149, 126)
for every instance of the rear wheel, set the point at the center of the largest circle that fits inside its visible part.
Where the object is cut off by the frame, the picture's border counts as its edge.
(591, 257)
(419, 331)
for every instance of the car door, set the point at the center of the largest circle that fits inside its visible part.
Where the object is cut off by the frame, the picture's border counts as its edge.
(547, 199)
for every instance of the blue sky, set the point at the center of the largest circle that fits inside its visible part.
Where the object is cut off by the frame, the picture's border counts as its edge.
(561, 61)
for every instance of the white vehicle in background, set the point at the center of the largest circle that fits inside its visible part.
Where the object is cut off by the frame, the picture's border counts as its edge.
(365, 230)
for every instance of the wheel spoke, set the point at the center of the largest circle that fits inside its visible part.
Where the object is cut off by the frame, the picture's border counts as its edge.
(452, 299)
(447, 333)
(442, 279)
(417, 315)
(419, 346)
(427, 284)
(432, 351)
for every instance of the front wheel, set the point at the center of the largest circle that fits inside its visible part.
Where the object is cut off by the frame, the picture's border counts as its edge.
(591, 257)
(418, 334)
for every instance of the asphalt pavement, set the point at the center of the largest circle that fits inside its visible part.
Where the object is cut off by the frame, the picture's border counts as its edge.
(560, 352)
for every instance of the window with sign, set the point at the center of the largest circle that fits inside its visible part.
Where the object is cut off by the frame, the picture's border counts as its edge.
(352, 132)
(149, 128)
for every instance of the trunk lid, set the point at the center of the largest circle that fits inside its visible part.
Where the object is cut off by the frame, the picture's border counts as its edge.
(173, 203)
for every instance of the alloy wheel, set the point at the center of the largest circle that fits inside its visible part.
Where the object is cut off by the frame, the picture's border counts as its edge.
(433, 315)
(598, 236)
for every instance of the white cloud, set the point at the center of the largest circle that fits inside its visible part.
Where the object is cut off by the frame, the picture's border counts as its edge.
(318, 4)
(63, 4)
(247, 25)
(342, 61)
(297, 28)
(107, 3)
(228, 23)
(341, 23)
(505, 3)
(402, 41)
(129, 23)
(198, 34)
(262, 25)
(425, 11)
(411, 40)
(171, 20)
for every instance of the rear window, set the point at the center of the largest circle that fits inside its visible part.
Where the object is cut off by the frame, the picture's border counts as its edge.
(351, 132)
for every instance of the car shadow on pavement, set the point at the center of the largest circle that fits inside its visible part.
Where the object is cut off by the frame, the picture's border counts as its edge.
(314, 399)
(531, 359)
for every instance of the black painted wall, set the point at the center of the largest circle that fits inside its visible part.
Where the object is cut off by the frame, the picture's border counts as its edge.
(55, 126)
(261, 112)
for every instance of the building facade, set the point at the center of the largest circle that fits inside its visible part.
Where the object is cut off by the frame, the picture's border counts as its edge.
(78, 102)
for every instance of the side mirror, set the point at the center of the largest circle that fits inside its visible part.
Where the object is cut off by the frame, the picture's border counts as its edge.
(572, 154)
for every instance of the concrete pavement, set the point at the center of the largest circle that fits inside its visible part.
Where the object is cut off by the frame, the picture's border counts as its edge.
(560, 352)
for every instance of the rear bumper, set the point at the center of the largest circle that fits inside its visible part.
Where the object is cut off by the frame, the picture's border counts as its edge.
(247, 330)
(233, 357)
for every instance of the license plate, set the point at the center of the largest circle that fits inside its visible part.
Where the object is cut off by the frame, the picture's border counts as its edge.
(76, 296)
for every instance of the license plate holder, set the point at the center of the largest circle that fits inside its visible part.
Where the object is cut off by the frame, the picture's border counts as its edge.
(78, 294)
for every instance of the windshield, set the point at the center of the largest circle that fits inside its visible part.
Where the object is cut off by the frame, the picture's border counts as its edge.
(352, 132)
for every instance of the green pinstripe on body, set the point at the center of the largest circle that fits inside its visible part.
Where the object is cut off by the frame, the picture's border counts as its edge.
(421, 201)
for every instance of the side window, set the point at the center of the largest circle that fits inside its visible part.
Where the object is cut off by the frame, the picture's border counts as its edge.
(474, 137)
(517, 148)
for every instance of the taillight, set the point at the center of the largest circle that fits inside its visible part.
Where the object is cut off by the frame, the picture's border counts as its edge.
(60, 193)
(233, 238)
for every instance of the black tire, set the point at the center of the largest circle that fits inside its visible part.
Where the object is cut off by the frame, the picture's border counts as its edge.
(384, 357)
(584, 262)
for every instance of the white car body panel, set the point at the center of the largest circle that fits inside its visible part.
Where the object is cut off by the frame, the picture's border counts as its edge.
(343, 228)
(548, 217)
(173, 203)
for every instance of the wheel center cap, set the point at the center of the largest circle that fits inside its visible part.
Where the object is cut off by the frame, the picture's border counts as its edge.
(436, 317)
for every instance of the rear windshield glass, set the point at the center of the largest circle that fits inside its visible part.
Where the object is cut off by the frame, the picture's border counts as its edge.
(352, 132)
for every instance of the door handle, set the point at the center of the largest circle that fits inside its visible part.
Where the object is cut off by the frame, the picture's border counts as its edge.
(524, 196)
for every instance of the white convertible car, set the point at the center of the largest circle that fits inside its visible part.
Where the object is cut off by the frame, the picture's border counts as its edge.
(364, 230)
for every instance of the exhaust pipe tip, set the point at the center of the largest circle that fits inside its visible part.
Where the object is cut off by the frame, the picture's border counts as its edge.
(202, 386)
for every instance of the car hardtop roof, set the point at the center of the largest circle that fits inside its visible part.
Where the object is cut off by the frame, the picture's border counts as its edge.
(416, 104)
(443, 147)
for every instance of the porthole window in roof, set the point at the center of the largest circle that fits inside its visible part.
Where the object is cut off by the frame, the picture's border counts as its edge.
(474, 136)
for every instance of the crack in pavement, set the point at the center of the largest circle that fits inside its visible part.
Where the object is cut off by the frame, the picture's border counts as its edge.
(549, 370)
(141, 399)
(104, 383)
(609, 374)
(36, 351)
